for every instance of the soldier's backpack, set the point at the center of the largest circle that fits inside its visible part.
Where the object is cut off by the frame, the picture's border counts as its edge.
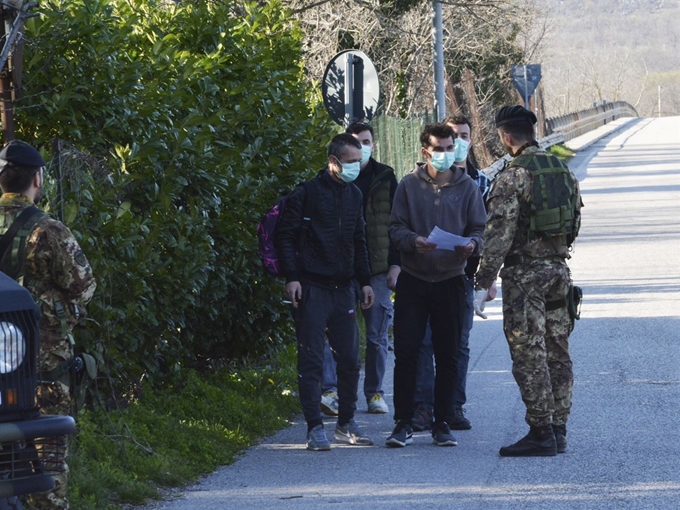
(13, 242)
(554, 209)
(266, 228)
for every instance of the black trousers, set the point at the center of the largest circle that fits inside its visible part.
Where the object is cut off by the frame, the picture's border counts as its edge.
(327, 311)
(443, 304)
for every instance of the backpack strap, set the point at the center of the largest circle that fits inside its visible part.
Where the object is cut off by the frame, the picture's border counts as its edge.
(19, 222)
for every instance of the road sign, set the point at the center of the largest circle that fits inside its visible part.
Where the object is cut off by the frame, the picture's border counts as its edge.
(350, 87)
(526, 78)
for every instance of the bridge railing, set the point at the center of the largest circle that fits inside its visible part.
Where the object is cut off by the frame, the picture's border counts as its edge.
(578, 123)
(566, 127)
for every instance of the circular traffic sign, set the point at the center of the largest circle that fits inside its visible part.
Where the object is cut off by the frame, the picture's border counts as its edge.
(338, 99)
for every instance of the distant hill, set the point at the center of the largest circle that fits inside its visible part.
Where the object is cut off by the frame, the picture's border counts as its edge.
(613, 50)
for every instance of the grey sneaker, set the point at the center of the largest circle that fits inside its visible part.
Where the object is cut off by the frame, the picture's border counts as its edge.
(317, 440)
(352, 434)
(401, 435)
(329, 403)
(377, 405)
(441, 435)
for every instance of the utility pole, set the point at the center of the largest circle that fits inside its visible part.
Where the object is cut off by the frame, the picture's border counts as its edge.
(13, 15)
(6, 111)
(439, 78)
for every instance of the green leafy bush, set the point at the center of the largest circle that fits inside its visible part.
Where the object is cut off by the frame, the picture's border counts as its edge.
(177, 125)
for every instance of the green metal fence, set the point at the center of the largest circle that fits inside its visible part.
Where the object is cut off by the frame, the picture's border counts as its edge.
(398, 141)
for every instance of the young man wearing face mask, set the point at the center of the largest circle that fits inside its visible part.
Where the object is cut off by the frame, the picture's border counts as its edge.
(319, 278)
(424, 396)
(378, 184)
(431, 287)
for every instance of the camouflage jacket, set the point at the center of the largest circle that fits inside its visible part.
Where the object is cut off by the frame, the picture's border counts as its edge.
(508, 201)
(56, 271)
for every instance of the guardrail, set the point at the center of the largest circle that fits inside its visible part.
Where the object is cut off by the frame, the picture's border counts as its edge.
(578, 123)
(566, 127)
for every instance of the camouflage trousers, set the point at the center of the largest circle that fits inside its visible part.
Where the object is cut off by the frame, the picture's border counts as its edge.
(54, 398)
(539, 339)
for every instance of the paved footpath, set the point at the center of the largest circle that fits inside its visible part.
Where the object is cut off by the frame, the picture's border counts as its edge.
(624, 439)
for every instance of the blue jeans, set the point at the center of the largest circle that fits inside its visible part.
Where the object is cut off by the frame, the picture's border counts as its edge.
(378, 319)
(425, 372)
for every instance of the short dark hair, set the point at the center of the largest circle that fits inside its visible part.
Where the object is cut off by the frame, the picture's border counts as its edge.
(357, 127)
(458, 119)
(339, 142)
(436, 130)
(17, 179)
(521, 130)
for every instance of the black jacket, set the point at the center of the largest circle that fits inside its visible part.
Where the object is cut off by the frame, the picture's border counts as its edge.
(334, 250)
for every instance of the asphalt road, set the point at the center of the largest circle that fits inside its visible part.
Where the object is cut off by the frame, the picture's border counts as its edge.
(624, 439)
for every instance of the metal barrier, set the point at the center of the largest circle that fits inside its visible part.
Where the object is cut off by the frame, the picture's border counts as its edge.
(578, 123)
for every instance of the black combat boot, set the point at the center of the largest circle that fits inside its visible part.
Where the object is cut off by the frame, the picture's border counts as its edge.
(561, 437)
(539, 442)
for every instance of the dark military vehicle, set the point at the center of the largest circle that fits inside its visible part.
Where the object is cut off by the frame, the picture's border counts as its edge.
(27, 438)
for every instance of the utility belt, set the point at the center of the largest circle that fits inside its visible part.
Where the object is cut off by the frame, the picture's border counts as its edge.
(520, 258)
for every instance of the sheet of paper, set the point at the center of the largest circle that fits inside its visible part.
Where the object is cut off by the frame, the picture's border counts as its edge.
(445, 240)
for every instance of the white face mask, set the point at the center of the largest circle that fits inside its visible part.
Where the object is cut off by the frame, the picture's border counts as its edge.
(350, 171)
(461, 149)
(366, 151)
(442, 161)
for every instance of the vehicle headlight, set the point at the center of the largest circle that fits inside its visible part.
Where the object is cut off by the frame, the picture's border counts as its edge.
(12, 347)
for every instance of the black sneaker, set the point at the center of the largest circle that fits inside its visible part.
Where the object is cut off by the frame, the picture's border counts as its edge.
(441, 435)
(458, 421)
(560, 437)
(539, 442)
(422, 419)
(401, 435)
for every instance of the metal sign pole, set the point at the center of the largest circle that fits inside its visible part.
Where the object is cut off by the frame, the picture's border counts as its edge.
(349, 89)
(439, 79)
(526, 88)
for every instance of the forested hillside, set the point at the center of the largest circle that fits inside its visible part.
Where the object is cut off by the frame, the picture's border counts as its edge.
(611, 50)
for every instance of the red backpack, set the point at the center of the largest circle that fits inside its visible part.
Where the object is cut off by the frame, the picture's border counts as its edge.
(266, 228)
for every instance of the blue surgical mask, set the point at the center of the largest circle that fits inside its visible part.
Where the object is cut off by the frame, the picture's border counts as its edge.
(442, 161)
(366, 151)
(461, 149)
(350, 171)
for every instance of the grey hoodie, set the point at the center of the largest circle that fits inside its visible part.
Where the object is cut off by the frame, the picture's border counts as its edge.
(419, 205)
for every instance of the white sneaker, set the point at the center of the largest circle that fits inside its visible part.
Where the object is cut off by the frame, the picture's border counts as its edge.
(377, 405)
(329, 403)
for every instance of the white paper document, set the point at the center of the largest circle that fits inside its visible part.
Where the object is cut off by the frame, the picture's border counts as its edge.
(445, 240)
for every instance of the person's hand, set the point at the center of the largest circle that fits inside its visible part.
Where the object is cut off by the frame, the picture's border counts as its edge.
(423, 246)
(392, 275)
(480, 298)
(493, 290)
(294, 292)
(369, 297)
(467, 250)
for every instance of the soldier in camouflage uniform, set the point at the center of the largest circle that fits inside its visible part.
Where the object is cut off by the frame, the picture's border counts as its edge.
(48, 261)
(536, 280)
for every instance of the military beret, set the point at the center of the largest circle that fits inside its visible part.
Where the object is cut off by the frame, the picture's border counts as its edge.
(21, 154)
(515, 113)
